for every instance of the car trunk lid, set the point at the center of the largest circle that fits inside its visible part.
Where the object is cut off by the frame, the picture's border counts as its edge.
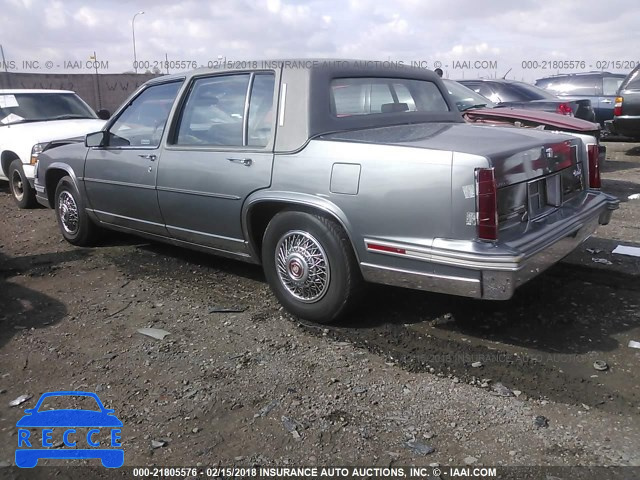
(535, 171)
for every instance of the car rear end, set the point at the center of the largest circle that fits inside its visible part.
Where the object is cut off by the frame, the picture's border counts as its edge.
(626, 111)
(539, 206)
(521, 200)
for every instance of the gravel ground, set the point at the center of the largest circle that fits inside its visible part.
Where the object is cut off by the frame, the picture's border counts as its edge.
(395, 384)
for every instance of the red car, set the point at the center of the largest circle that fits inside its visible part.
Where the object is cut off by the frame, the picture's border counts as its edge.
(478, 109)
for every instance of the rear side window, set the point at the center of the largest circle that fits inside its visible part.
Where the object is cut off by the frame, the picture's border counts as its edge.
(610, 85)
(261, 117)
(217, 112)
(370, 96)
(214, 112)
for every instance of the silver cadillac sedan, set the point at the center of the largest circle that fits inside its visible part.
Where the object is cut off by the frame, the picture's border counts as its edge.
(330, 173)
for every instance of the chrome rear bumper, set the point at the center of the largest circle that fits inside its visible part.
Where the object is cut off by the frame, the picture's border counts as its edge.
(495, 277)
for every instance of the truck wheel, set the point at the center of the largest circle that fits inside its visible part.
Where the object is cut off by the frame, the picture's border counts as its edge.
(22, 192)
(310, 266)
(75, 225)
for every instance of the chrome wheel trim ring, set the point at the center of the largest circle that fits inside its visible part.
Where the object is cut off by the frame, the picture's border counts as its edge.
(68, 212)
(302, 266)
(17, 186)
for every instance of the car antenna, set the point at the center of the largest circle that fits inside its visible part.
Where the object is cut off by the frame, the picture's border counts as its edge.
(505, 75)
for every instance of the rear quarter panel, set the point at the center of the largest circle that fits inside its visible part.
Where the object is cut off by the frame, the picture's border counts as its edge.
(403, 194)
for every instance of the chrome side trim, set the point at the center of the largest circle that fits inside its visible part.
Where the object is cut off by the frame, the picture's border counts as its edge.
(121, 184)
(204, 234)
(197, 192)
(245, 257)
(109, 214)
(466, 287)
(282, 104)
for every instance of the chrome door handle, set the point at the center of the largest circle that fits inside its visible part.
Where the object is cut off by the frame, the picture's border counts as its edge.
(149, 157)
(605, 101)
(247, 162)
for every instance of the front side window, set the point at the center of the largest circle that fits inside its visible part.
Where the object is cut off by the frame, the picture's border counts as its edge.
(367, 96)
(141, 124)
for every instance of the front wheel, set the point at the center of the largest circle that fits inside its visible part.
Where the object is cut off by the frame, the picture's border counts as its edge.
(21, 190)
(310, 265)
(75, 225)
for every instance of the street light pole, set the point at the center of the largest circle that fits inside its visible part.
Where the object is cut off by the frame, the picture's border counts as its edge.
(133, 32)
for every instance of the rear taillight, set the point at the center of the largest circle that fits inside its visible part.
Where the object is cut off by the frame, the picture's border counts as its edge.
(564, 109)
(617, 107)
(486, 204)
(594, 166)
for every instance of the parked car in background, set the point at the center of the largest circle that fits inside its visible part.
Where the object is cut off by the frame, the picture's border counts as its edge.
(479, 110)
(599, 87)
(327, 176)
(626, 120)
(29, 120)
(511, 93)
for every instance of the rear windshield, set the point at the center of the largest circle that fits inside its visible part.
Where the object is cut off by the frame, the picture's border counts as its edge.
(370, 96)
(466, 98)
(520, 91)
(632, 82)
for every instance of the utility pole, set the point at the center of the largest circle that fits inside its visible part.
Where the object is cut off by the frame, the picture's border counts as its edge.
(133, 33)
(95, 64)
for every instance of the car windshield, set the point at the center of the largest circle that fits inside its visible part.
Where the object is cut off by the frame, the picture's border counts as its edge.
(36, 107)
(465, 98)
(520, 91)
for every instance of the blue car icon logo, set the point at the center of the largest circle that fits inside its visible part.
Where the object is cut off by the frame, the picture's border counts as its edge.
(32, 447)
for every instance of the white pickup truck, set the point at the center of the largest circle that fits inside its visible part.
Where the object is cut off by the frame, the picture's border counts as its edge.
(29, 120)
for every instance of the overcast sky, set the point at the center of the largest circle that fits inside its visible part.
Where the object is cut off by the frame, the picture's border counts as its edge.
(446, 31)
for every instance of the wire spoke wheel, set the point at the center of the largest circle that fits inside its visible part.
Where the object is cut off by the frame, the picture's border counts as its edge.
(302, 266)
(68, 211)
(17, 187)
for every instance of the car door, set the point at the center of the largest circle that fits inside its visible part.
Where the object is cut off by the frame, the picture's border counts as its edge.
(219, 151)
(120, 174)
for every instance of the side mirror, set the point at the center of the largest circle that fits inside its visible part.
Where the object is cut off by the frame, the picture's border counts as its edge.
(103, 114)
(96, 139)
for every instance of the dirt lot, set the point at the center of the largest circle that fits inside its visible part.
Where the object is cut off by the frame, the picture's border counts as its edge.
(260, 388)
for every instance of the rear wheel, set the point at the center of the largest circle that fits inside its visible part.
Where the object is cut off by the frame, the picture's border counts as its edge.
(310, 265)
(22, 192)
(75, 225)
